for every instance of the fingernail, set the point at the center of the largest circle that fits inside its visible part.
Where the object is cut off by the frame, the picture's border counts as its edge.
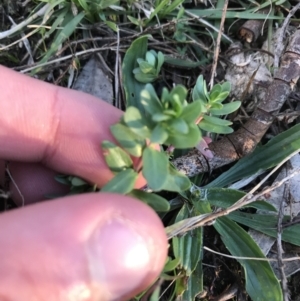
(119, 257)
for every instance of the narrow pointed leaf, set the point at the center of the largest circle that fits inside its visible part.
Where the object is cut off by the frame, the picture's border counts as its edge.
(224, 198)
(261, 282)
(194, 284)
(214, 128)
(227, 108)
(267, 224)
(188, 248)
(267, 156)
(217, 121)
(132, 87)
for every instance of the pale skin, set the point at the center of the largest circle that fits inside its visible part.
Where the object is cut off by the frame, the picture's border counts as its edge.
(87, 247)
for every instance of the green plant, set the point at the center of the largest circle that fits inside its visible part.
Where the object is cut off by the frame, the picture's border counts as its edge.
(211, 106)
(149, 68)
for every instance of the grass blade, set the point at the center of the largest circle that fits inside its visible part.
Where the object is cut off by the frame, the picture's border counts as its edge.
(261, 282)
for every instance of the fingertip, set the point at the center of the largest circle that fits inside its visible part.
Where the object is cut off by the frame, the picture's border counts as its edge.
(32, 182)
(105, 246)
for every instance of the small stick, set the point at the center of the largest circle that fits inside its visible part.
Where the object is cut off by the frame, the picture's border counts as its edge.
(217, 49)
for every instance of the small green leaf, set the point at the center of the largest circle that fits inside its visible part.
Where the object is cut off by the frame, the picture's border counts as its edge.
(155, 168)
(191, 112)
(211, 127)
(158, 203)
(146, 68)
(116, 159)
(184, 141)
(176, 181)
(159, 117)
(217, 121)
(78, 182)
(200, 90)
(179, 92)
(113, 26)
(63, 179)
(145, 78)
(150, 101)
(179, 125)
(226, 87)
(135, 21)
(123, 182)
(159, 135)
(227, 108)
(219, 98)
(151, 58)
(171, 265)
(130, 141)
(160, 61)
(136, 122)
(216, 90)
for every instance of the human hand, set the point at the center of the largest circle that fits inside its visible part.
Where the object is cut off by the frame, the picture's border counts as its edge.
(85, 247)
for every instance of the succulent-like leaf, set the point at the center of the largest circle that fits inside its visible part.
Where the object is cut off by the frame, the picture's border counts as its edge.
(158, 203)
(155, 168)
(217, 121)
(191, 112)
(116, 158)
(123, 182)
(183, 141)
(227, 108)
(176, 181)
(200, 90)
(159, 135)
(150, 101)
(130, 141)
(214, 128)
(136, 122)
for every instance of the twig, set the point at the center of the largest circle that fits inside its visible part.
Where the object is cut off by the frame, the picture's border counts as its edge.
(209, 218)
(280, 45)
(283, 279)
(207, 24)
(217, 48)
(230, 292)
(251, 258)
(117, 101)
(18, 27)
(15, 184)
(25, 42)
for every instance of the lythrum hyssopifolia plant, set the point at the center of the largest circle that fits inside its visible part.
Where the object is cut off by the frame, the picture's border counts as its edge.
(169, 120)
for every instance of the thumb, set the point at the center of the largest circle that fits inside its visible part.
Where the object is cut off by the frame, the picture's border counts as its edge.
(85, 247)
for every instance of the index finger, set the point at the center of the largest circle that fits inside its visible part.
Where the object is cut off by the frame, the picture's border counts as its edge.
(59, 127)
